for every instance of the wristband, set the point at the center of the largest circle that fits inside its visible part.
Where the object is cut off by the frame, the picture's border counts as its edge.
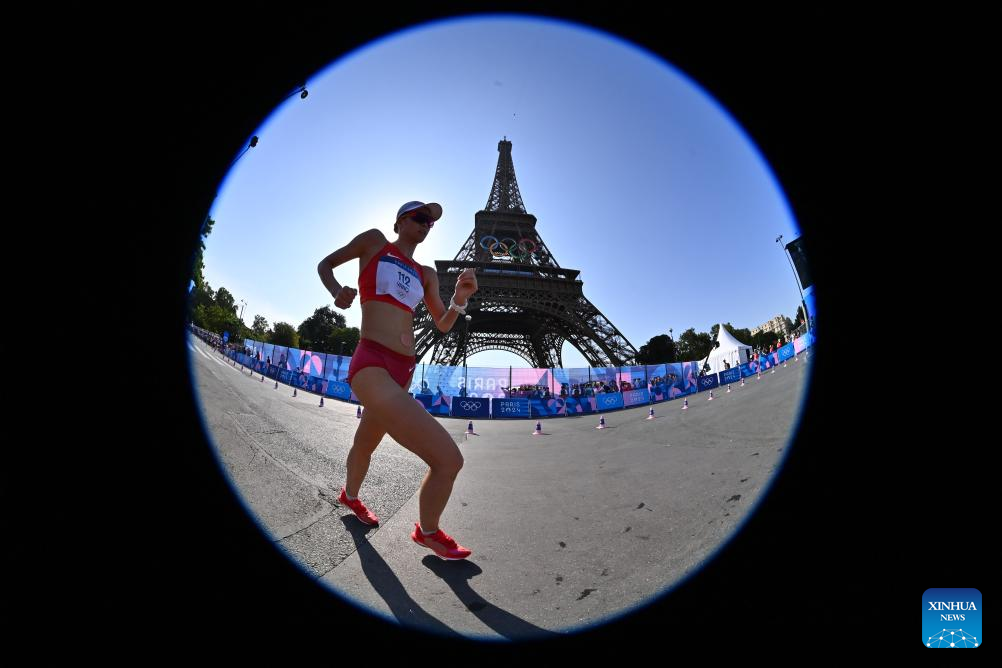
(456, 307)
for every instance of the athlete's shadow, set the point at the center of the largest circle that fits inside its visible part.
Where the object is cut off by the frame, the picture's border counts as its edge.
(457, 575)
(388, 586)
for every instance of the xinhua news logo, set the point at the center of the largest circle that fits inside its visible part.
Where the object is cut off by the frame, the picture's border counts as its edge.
(951, 618)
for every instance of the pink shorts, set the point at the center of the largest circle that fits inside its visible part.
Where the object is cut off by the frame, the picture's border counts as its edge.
(369, 353)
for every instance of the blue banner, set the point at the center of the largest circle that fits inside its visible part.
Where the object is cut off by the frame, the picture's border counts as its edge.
(607, 401)
(731, 375)
(509, 408)
(316, 384)
(338, 390)
(785, 352)
(436, 404)
(546, 407)
(579, 405)
(337, 367)
(300, 380)
(478, 407)
(635, 397)
(271, 370)
(708, 382)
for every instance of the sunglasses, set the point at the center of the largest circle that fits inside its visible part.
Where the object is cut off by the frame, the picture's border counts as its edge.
(423, 219)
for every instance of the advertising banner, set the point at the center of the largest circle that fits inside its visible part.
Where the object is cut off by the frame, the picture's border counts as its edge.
(338, 390)
(546, 407)
(607, 401)
(472, 407)
(731, 375)
(708, 382)
(300, 380)
(509, 408)
(316, 384)
(436, 404)
(785, 352)
(579, 405)
(635, 397)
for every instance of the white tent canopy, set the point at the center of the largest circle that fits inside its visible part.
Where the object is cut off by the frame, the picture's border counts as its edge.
(730, 350)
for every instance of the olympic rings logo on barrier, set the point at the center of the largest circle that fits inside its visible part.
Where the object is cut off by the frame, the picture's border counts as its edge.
(469, 405)
(516, 250)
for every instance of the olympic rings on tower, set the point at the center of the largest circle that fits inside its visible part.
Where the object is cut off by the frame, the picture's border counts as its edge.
(516, 250)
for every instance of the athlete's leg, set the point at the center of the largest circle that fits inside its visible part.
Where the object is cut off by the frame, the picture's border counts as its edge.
(367, 437)
(410, 425)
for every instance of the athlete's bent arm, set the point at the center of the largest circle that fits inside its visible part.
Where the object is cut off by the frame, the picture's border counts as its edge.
(444, 317)
(356, 248)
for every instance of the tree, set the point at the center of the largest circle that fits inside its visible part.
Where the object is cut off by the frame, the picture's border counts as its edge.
(658, 350)
(692, 346)
(347, 335)
(260, 327)
(199, 265)
(217, 319)
(316, 330)
(284, 335)
(226, 300)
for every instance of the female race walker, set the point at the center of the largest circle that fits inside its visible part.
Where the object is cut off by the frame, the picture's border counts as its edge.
(392, 284)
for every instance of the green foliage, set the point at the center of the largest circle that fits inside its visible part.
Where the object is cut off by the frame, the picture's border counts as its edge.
(284, 334)
(347, 335)
(658, 350)
(226, 300)
(260, 328)
(693, 346)
(316, 331)
(199, 265)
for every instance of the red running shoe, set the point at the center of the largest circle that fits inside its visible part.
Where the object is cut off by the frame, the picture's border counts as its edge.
(363, 514)
(441, 544)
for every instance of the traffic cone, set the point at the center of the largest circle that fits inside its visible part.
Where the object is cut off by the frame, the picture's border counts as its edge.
(711, 396)
(650, 413)
(321, 402)
(293, 390)
(601, 423)
(759, 376)
(539, 429)
(276, 383)
(262, 377)
(742, 381)
(728, 388)
(358, 412)
(685, 404)
(469, 429)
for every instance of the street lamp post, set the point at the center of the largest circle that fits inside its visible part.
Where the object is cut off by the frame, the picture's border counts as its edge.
(242, 309)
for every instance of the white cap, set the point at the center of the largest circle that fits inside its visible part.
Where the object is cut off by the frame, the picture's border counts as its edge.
(432, 209)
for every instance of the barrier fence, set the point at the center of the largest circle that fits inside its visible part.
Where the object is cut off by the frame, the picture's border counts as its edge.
(499, 393)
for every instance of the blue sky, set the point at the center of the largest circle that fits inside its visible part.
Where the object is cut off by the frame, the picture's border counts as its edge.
(637, 177)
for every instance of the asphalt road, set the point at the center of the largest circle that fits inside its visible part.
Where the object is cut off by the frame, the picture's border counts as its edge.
(567, 528)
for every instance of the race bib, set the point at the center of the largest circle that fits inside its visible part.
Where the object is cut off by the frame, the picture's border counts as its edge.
(399, 280)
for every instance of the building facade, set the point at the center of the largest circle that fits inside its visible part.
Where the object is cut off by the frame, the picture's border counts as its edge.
(777, 326)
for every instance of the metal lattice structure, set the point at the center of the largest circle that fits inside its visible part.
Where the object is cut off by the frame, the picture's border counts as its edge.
(527, 303)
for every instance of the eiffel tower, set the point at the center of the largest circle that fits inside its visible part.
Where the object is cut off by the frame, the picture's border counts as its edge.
(527, 303)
